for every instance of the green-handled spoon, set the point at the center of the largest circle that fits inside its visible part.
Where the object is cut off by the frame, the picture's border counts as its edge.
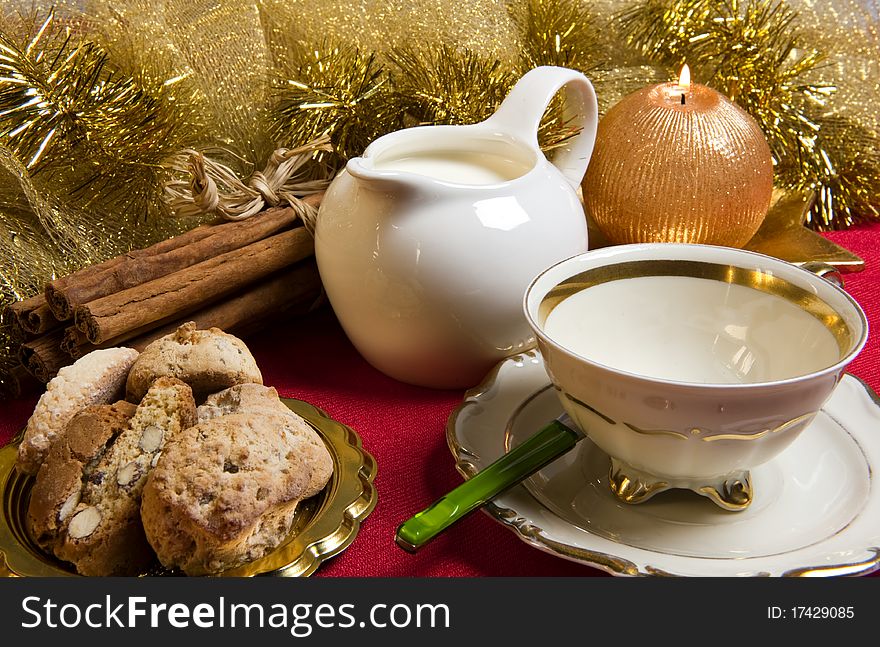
(552, 441)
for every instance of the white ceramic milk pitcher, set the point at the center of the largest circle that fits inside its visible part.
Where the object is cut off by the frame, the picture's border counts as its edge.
(426, 244)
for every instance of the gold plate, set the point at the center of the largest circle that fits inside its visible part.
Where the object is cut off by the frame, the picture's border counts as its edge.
(324, 526)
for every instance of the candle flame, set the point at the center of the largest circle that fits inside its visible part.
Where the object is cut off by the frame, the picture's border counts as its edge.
(684, 79)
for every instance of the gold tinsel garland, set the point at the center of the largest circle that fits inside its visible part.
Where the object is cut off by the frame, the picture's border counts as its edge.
(97, 96)
(337, 91)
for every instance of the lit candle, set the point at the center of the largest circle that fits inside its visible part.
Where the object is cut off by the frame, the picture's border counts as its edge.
(679, 162)
(684, 83)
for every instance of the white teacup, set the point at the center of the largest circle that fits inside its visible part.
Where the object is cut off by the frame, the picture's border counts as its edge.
(690, 364)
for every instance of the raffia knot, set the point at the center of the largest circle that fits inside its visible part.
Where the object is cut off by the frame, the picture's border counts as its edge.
(260, 183)
(204, 186)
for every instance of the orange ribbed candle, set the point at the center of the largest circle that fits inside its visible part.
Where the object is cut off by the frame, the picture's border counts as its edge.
(677, 162)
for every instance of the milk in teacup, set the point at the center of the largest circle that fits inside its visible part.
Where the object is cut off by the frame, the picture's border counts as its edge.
(690, 329)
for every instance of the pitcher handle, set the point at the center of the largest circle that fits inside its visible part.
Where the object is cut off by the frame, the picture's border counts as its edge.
(521, 111)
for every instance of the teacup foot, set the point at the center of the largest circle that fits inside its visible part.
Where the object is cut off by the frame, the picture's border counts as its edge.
(731, 492)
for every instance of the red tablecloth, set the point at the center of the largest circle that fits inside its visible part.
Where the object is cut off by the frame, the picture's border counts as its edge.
(404, 428)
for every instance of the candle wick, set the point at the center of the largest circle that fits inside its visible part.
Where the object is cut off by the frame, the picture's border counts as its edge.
(682, 99)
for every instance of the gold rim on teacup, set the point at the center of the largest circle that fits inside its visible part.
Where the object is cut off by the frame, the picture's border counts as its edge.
(731, 274)
(848, 343)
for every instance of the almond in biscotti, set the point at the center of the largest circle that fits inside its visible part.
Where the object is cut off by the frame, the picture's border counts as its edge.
(128, 473)
(71, 463)
(116, 545)
(207, 360)
(84, 523)
(69, 505)
(151, 438)
(96, 378)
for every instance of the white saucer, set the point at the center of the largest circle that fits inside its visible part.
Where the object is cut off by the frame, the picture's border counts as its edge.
(816, 507)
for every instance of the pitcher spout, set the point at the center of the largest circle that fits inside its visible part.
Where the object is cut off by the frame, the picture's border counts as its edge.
(362, 169)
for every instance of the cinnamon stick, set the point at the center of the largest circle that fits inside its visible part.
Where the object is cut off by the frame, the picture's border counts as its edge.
(72, 338)
(142, 266)
(20, 311)
(178, 294)
(292, 291)
(18, 333)
(29, 318)
(43, 356)
(88, 278)
(54, 290)
(41, 319)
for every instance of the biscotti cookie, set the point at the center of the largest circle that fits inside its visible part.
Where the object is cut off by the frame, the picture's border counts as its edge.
(240, 398)
(70, 463)
(103, 535)
(96, 378)
(225, 492)
(207, 360)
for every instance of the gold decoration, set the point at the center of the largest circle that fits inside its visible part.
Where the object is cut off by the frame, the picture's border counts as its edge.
(783, 235)
(334, 92)
(80, 146)
(558, 32)
(630, 488)
(853, 569)
(448, 85)
(355, 95)
(630, 485)
(758, 54)
(480, 26)
(676, 165)
(734, 494)
(66, 113)
(660, 432)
